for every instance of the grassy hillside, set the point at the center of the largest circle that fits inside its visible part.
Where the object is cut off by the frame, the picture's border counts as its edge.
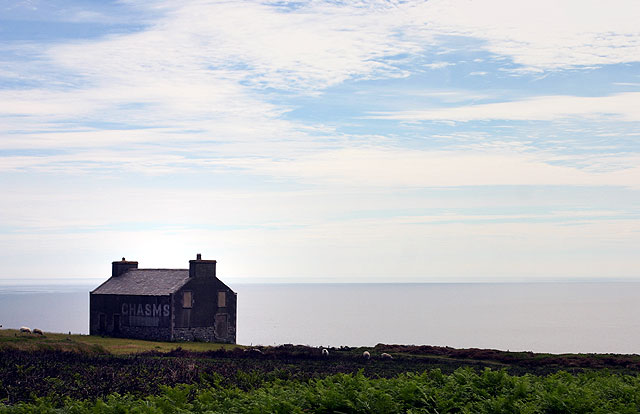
(14, 339)
(420, 357)
(81, 367)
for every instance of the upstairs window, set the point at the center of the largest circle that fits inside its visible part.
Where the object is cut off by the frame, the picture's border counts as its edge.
(187, 299)
(222, 299)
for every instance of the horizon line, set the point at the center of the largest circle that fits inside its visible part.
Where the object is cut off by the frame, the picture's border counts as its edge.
(252, 280)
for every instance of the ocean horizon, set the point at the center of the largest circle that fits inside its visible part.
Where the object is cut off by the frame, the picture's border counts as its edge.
(555, 317)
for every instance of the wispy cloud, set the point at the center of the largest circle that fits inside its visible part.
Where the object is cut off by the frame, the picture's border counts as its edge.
(544, 35)
(543, 108)
(385, 167)
(262, 45)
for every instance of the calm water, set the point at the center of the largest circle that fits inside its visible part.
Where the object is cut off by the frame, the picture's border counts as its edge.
(542, 317)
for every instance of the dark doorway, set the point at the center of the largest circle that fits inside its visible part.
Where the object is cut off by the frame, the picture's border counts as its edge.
(102, 322)
(221, 327)
(116, 324)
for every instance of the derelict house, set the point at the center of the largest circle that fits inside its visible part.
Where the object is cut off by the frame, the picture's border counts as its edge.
(164, 304)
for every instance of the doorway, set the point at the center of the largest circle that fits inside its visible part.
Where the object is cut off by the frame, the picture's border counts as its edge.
(102, 322)
(116, 324)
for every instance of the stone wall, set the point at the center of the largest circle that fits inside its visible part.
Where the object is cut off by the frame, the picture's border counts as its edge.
(204, 334)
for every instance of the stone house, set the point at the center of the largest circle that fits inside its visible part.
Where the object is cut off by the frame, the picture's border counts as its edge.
(164, 304)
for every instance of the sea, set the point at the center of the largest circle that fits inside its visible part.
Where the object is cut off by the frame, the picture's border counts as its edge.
(553, 317)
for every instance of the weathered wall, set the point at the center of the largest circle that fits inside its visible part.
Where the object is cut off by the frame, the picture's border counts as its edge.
(144, 317)
(206, 319)
(204, 334)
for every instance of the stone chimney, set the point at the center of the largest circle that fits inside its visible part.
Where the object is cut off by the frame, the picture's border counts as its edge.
(118, 268)
(202, 268)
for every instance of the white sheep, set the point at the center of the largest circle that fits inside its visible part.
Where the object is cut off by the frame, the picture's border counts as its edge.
(366, 355)
(325, 352)
(386, 356)
(24, 329)
(38, 331)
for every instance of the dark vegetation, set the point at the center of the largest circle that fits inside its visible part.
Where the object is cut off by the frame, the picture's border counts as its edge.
(87, 374)
(464, 391)
(58, 373)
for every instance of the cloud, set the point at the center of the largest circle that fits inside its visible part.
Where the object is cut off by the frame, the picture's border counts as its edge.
(385, 167)
(201, 61)
(439, 65)
(546, 34)
(197, 73)
(199, 79)
(621, 106)
(263, 45)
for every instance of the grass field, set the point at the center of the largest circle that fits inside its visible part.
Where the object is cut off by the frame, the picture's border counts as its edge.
(12, 338)
(423, 357)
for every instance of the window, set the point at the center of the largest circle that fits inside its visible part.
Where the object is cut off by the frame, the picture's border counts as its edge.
(222, 299)
(187, 300)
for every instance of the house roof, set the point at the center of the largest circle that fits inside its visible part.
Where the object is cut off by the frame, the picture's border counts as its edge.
(145, 282)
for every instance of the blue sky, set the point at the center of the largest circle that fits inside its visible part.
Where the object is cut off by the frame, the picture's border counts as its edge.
(322, 140)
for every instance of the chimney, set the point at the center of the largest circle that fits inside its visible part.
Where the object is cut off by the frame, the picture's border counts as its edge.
(118, 268)
(202, 268)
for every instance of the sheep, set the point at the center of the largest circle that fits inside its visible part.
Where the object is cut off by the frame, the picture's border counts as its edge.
(38, 331)
(325, 352)
(366, 355)
(386, 356)
(24, 329)
(255, 351)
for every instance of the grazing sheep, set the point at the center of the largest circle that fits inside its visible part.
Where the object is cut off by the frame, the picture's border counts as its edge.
(24, 329)
(256, 351)
(366, 355)
(325, 352)
(38, 331)
(386, 356)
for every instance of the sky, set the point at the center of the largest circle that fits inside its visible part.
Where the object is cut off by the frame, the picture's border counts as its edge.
(457, 140)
